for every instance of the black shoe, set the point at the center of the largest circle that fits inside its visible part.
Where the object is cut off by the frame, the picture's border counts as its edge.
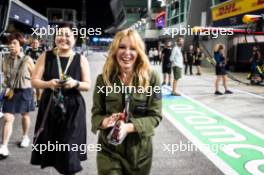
(218, 93)
(163, 84)
(175, 94)
(2, 157)
(228, 92)
(169, 84)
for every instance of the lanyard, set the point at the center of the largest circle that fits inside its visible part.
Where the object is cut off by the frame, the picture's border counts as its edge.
(62, 74)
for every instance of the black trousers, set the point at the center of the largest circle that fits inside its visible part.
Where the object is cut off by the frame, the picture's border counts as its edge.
(186, 68)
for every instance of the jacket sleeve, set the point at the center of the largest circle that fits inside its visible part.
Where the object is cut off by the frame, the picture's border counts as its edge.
(145, 125)
(98, 109)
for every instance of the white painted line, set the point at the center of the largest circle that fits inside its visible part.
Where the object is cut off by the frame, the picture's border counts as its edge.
(248, 93)
(252, 131)
(219, 163)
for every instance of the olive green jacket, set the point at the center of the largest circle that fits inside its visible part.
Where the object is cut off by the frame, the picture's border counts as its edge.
(145, 115)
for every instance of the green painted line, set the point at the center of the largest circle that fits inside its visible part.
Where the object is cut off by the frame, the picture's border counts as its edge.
(209, 127)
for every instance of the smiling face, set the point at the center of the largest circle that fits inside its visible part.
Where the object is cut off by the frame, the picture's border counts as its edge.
(126, 55)
(14, 47)
(65, 39)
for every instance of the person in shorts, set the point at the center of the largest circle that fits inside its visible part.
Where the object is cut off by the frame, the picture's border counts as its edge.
(177, 64)
(220, 69)
(166, 63)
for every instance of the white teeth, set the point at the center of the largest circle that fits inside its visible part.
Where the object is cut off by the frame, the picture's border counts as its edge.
(126, 59)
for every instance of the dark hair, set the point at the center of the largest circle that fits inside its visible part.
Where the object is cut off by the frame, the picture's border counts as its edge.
(178, 39)
(66, 25)
(16, 36)
(69, 25)
(220, 47)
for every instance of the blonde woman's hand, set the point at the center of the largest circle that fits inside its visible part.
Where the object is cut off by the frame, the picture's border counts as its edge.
(110, 121)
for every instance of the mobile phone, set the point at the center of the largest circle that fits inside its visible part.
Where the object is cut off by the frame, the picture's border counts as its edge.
(62, 81)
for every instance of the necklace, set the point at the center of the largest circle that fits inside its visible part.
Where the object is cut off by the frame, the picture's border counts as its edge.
(62, 75)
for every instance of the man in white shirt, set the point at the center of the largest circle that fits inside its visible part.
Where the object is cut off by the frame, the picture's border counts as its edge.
(151, 54)
(156, 56)
(176, 59)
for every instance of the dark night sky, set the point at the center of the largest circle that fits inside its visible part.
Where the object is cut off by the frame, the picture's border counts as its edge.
(98, 12)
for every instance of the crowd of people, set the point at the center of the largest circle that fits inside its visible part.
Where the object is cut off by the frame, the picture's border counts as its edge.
(177, 60)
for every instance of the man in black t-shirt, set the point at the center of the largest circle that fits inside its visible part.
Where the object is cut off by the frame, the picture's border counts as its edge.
(35, 51)
(166, 63)
(189, 60)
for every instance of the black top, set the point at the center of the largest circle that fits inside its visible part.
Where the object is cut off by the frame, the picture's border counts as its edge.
(190, 56)
(34, 53)
(51, 68)
(167, 53)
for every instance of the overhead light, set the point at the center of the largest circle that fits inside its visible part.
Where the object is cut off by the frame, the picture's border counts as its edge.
(163, 3)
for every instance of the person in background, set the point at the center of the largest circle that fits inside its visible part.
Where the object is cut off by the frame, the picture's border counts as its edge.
(189, 60)
(198, 59)
(151, 55)
(34, 52)
(220, 69)
(256, 74)
(156, 56)
(177, 64)
(17, 69)
(166, 63)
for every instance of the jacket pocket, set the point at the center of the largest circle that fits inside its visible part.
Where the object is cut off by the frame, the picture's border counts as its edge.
(140, 107)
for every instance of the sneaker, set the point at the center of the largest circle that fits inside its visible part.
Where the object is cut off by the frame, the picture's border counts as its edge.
(169, 84)
(175, 94)
(218, 93)
(163, 84)
(228, 92)
(25, 142)
(4, 153)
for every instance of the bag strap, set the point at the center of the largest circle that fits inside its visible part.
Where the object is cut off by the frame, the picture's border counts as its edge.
(18, 71)
(44, 119)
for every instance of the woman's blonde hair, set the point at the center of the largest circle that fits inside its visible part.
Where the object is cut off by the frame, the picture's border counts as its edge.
(142, 65)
